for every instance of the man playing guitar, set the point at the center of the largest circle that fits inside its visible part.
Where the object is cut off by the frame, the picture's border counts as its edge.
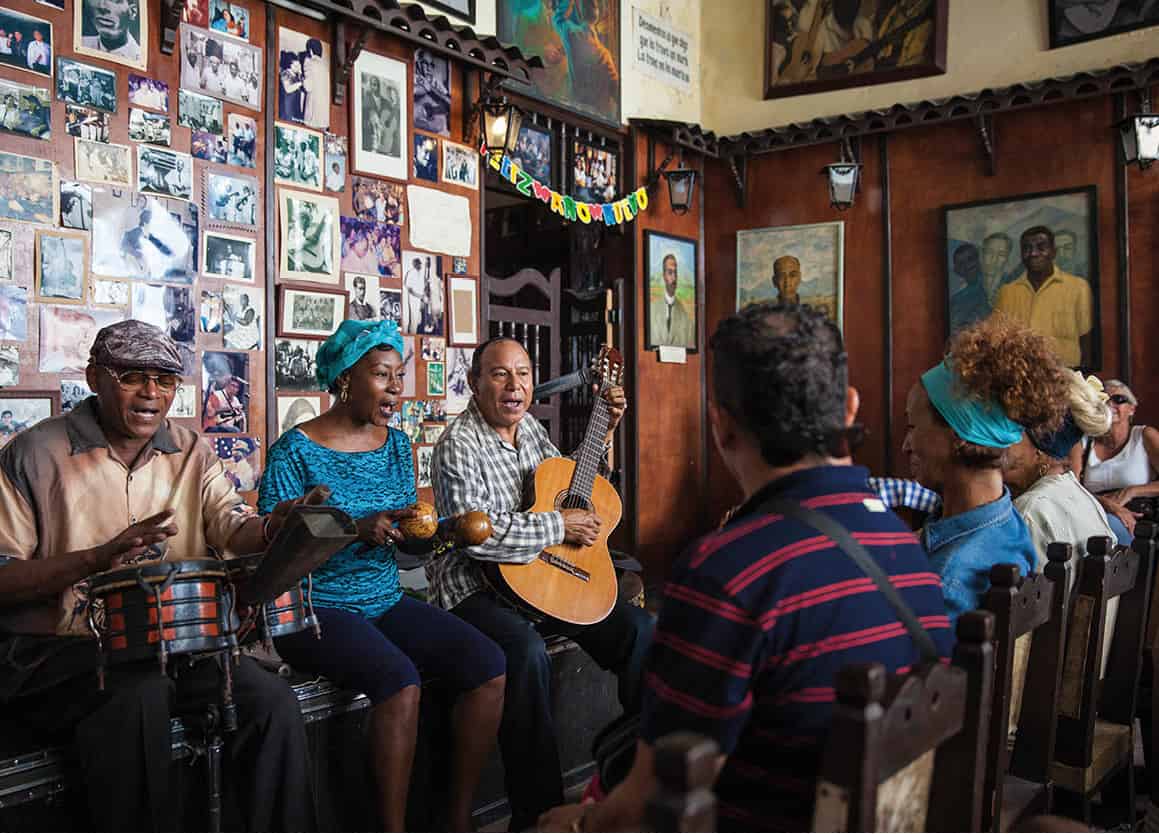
(482, 462)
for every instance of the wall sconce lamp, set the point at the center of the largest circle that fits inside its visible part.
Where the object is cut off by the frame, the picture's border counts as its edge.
(681, 188)
(501, 119)
(1140, 137)
(844, 178)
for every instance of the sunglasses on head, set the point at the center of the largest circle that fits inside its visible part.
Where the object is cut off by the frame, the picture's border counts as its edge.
(1120, 399)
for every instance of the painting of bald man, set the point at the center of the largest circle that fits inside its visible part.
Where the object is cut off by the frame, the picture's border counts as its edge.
(792, 265)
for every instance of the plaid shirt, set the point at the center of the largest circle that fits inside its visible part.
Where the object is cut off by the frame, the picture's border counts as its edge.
(902, 492)
(473, 469)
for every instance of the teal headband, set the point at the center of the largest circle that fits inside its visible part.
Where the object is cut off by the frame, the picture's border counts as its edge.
(350, 342)
(984, 424)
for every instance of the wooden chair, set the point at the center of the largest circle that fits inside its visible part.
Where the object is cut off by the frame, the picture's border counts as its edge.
(1096, 717)
(686, 772)
(1029, 636)
(907, 752)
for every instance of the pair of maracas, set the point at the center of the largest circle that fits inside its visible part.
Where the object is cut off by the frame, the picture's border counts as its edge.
(425, 531)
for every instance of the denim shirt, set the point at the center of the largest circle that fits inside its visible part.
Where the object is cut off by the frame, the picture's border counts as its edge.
(964, 547)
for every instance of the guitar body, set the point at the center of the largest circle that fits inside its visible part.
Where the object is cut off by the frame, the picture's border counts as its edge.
(803, 58)
(549, 584)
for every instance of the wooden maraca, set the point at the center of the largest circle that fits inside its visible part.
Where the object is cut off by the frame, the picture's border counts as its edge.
(423, 525)
(426, 532)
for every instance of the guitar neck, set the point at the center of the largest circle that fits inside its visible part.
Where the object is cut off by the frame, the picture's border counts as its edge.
(588, 456)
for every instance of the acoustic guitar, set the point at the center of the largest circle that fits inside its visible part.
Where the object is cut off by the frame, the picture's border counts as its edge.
(802, 63)
(569, 582)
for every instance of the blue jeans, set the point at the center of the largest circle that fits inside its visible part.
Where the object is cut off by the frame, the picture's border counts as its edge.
(527, 737)
(1119, 529)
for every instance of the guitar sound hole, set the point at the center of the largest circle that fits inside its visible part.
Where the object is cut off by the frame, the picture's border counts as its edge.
(566, 501)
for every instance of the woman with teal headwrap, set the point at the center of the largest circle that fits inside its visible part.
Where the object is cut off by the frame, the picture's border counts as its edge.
(373, 636)
(961, 418)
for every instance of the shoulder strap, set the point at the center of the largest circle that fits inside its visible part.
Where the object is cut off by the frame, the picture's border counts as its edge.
(841, 537)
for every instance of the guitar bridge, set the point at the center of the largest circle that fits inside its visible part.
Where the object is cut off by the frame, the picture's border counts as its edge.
(565, 566)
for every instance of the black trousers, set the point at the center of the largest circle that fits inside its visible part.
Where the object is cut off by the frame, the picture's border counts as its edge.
(527, 739)
(121, 734)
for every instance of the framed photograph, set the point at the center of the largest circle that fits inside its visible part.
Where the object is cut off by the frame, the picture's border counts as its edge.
(86, 85)
(463, 299)
(117, 32)
(73, 392)
(533, 152)
(424, 456)
(243, 141)
(20, 410)
(208, 146)
(584, 79)
(195, 12)
(210, 312)
(242, 317)
(295, 409)
(308, 312)
(408, 363)
(9, 365)
(184, 405)
(891, 40)
(435, 411)
(30, 187)
(459, 266)
(167, 307)
(426, 158)
(225, 392)
(152, 128)
(413, 412)
(460, 165)
(432, 93)
(360, 288)
(433, 348)
(222, 67)
(104, 162)
(297, 157)
(7, 255)
(371, 248)
(148, 93)
(310, 248)
(106, 293)
(295, 362)
(13, 313)
(462, 9)
(62, 266)
(594, 173)
(76, 206)
(1075, 21)
(334, 156)
(1015, 254)
(422, 293)
(84, 123)
(165, 173)
(670, 291)
(436, 381)
(379, 127)
(807, 266)
(30, 40)
(303, 79)
(199, 113)
(382, 202)
(26, 110)
(458, 368)
(229, 19)
(144, 238)
(231, 198)
(228, 256)
(66, 336)
(390, 305)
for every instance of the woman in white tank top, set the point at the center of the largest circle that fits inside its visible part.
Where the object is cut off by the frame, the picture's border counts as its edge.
(1121, 465)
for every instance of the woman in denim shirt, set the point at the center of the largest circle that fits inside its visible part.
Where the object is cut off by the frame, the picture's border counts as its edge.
(960, 419)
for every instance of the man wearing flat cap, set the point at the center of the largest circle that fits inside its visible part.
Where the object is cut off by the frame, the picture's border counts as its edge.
(113, 482)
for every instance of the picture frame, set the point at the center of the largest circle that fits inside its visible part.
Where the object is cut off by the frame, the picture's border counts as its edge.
(164, 172)
(122, 38)
(151, 128)
(1072, 23)
(309, 312)
(12, 21)
(460, 165)
(206, 57)
(535, 152)
(985, 270)
(461, 9)
(104, 162)
(818, 250)
(463, 308)
(303, 79)
(432, 93)
(62, 266)
(86, 85)
(296, 408)
(678, 327)
(38, 181)
(230, 199)
(233, 257)
(885, 47)
(379, 126)
(35, 105)
(588, 176)
(297, 156)
(310, 247)
(20, 410)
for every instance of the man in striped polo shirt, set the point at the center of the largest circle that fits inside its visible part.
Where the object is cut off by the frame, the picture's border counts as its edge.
(759, 616)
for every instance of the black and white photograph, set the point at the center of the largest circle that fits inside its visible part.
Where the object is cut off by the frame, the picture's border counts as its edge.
(243, 140)
(167, 307)
(208, 146)
(210, 311)
(310, 247)
(390, 305)
(13, 313)
(184, 401)
(86, 123)
(199, 113)
(426, 157)
(66, 335)
(432, 93)
(20, 410)
(362, 291)
(231, 198)
(221, 67)
(335, 162)
(293, 410)
(30, 187)
(7, 252)
(104, 162)
(297, 157)
(242, 317)
(303, 79)
(86, 85)
(382, 202)
(144, 238)
(165, 173)
(379, 96)
(229, 19)
(25, 42)
(309, 313)
(25, 110)
(152, 128)
(76, 205)
(228, 256)
(458, 369)
(422, 293)
(62, 260)
(225, 392)
(295, 364)
(113, 30)
(460, 165)
(424, 455)
(110, 293)
(148, 93)
(73, 392)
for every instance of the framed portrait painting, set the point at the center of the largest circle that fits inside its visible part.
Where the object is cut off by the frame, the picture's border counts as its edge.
(801, 264)
(117, 32)
(379, 127)
(1033, 257)
(814, 47)
(1075, 21)
(310, 248)
(20, 410)
(670, 292)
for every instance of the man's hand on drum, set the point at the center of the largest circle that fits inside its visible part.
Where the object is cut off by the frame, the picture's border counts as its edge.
(378, 528)
(133, 541)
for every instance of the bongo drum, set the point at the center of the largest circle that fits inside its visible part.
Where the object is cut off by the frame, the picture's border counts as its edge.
(289, 612)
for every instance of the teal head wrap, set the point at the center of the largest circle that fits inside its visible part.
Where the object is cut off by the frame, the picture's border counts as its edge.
(981, 423)
(350, 342)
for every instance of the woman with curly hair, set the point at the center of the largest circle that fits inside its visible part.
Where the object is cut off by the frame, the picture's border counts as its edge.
(961, 418)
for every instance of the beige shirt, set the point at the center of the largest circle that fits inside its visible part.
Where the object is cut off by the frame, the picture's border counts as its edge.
(62, 490)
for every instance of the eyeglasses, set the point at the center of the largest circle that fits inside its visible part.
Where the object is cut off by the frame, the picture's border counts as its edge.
(136, 380)
(1120, 399)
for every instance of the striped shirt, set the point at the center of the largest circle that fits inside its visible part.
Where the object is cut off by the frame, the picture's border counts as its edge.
(756, 621)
